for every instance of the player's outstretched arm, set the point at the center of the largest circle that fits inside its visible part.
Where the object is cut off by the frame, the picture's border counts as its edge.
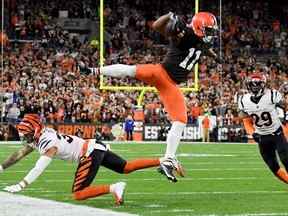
(38, 169)
(15, 157)
(160, 24)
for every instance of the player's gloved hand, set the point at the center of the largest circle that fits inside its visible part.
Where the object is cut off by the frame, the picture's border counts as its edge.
(176, 26)
(83, 69)
(1, 169)
(15, 188)
(256, 137)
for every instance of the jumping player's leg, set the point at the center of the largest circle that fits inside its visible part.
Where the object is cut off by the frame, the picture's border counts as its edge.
(85, 174)
(118, 70)
(174, 104)
(116, 163)
(173, 101)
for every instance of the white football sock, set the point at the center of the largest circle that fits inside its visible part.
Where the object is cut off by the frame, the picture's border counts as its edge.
(119, 70)
(173, 138)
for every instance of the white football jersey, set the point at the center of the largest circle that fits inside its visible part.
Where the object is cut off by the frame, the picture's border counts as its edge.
(264, 113)
(69, 147)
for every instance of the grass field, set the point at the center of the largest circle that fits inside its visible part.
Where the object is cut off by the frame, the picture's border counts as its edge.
(221, 180)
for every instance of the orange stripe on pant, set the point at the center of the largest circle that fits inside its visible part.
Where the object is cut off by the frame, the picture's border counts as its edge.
(170, 94)
(140, 164)
(92, 191)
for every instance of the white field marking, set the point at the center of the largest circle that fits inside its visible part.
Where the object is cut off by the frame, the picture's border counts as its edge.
(180, 193)
(206, 193)
(224, 163)
(147, 142)
(149, 170)
(250, 214)
(204, 155)
(154, 206)
(12, 204)
(145, 179)
(172, 210)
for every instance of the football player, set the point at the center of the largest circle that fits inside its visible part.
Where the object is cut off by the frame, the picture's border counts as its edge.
(258, 109)
(187, 43)
(89, 155)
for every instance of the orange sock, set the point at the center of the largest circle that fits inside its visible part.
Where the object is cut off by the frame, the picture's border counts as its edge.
(140, 164)
(92, 191)
(248, 125)
(282, 175)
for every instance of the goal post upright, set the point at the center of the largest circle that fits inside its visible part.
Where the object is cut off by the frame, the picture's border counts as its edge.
(101, 37)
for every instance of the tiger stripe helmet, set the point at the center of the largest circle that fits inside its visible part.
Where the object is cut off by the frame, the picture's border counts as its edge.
(30, 125)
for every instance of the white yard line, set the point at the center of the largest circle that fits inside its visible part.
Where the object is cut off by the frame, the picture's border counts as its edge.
(146, 179)
(206, 193)
(148, 142)
(16, 205)
(148, 170)
(249, 214)
(180, 193)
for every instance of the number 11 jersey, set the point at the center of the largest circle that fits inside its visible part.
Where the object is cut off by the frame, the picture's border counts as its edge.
(183, 54)
(264, 113)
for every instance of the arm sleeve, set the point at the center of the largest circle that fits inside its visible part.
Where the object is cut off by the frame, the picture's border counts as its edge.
(38, 169)
(248, 125)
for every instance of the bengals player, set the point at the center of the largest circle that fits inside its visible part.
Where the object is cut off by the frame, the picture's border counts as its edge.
(89, 155)
(258, 109)
(187, 43)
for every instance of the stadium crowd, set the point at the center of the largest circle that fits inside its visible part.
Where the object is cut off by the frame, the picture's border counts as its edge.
(42, 76)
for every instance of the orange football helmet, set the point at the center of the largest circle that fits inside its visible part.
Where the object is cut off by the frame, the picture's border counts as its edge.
(204, 25)
(30, 127)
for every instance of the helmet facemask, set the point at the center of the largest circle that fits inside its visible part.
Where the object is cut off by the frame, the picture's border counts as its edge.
(256, 87)
(210, 33)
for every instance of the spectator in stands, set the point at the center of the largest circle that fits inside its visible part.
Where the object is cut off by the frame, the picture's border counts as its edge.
(206, 124)
(129, 127)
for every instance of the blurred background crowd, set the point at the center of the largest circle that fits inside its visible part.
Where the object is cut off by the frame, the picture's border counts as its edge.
(40, 58)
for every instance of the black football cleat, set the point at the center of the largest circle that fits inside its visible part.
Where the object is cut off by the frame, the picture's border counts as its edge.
(167, 168)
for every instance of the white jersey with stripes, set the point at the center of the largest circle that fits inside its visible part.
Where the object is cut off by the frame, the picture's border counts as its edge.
(69, 148)
(264, 112)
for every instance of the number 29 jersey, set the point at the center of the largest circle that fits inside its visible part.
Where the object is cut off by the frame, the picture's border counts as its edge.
(264, 113)
(69, 148)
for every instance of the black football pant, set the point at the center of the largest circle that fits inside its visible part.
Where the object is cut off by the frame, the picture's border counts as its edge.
(89, 166)
(271, 144)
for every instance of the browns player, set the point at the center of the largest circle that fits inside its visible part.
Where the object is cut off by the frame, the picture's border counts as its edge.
(258, 109)
(187, 43)
(88, 154)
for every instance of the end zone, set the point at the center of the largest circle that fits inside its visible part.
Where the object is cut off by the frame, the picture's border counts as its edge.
(19, 205)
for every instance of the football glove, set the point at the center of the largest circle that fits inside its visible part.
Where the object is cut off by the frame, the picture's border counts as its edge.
(15, 188)
(256, 137)
(83, 69)
(1, 169)
(176, 26)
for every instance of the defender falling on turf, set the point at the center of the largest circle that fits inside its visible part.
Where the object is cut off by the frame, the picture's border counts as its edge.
(89, 155)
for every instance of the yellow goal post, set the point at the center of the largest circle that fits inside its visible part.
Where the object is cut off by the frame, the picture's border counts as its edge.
(143, 89)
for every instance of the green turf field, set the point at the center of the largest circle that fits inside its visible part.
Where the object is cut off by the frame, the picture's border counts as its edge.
(221, 180)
